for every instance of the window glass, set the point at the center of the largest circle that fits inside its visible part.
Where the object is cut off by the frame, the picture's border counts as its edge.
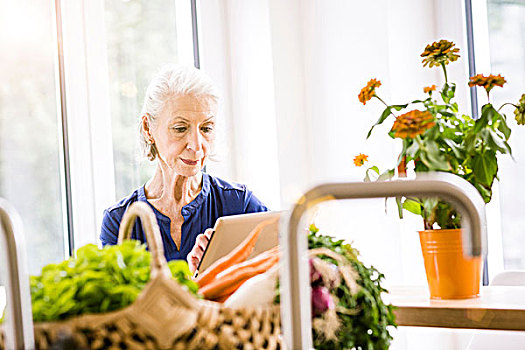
(30, 156)
(506, 21)
(142, 36)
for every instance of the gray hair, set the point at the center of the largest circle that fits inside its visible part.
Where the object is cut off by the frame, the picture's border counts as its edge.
(169, 82)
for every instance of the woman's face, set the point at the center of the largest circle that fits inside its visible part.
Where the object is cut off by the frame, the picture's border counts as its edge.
(184, 133)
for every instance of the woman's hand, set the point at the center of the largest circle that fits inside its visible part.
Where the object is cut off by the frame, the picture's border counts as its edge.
(195, 256)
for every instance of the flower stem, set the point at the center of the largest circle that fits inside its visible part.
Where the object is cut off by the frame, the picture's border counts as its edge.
(419, 142)
(508, 103)
(379, 98)
(445, 71)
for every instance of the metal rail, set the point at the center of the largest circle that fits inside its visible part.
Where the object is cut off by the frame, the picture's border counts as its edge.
(195, 34)
(295, 292)
(64, 122)
(19, 318)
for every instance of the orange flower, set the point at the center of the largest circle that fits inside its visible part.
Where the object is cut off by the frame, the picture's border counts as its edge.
(428, 89)
(487, 82)
(412, 123)
(360, 159)
(441, 52)
(368, 91)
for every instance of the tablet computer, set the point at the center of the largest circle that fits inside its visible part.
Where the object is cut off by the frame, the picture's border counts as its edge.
(230, 231)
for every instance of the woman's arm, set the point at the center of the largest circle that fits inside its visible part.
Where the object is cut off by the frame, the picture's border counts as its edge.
(109, 229)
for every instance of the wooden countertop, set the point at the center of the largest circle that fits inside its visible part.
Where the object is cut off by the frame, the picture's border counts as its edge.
(498, 307)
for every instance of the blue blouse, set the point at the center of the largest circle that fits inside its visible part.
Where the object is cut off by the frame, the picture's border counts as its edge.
(217, 198)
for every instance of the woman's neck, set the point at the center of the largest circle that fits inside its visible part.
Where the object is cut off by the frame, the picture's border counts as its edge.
(168, 187)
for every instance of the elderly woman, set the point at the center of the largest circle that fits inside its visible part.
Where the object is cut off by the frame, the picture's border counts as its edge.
(177, 129)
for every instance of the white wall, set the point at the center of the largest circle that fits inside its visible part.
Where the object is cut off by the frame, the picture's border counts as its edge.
(295, 68)
(291, 72)
(236, 52)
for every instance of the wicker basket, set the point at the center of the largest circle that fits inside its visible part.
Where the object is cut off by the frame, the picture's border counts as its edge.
(165, 315)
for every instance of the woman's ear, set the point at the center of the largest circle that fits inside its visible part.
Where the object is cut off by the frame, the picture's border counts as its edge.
(146, 130)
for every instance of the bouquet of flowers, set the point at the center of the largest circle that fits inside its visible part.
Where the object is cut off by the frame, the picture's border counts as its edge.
(436, 136)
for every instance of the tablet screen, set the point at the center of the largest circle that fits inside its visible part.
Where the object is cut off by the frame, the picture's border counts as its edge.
(230, 231)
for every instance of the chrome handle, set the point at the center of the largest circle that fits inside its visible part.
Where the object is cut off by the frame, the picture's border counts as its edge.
(295, 292)
(19, 316)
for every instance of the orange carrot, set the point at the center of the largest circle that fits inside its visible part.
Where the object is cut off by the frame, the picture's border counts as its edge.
(222, 299)
(257, 260)
(218, 290)
(265, 259)
(238, 254)
(220, 287)
(229, 290)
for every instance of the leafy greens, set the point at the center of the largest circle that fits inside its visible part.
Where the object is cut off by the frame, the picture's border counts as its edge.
(368, 328)
(97, 281)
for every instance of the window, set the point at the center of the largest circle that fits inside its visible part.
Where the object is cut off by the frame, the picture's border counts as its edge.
(30, 151)
(110, 48)
(506, 40)
(141, 37)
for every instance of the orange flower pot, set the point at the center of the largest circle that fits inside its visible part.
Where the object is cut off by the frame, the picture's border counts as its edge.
(450, 274)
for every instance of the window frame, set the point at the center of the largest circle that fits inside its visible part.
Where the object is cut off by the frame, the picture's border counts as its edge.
(88, 164)
(87, 134)
(480, 59)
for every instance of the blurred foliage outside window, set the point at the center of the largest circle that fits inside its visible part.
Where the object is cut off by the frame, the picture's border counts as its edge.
(30, 144)
(142, 36)
(506, 19)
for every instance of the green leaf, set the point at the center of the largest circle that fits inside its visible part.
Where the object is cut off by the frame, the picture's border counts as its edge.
(485, 167)
(454, 147)
(470, 142)
(485, 192)
(381, 119)
(387, 111)
(367, 173)
(447, 114)
(433, 158)
(507, 146)
(495, 142)
(429, 206)
(452, 90)
(488, 114)
(387, 175)
(412, 206)
(399, 107)
(392, 134)
(448, 92)
(446, 216)
(375, 169)
(406, 144)
(412, 150)
(503, 127)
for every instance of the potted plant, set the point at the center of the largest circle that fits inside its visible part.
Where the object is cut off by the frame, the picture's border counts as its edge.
(436, 136)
